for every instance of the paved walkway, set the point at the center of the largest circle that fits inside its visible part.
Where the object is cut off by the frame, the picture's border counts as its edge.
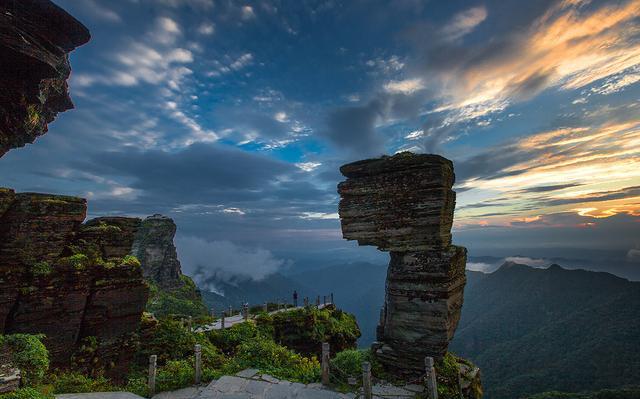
(237, 319)
(250, 384)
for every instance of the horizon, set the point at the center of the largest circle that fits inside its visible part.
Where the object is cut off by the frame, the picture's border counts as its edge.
(233, 119)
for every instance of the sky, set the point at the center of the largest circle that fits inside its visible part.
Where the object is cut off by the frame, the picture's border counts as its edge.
(233, 117)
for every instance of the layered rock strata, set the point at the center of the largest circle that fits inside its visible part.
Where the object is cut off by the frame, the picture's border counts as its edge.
(154, 247)
(56, 280)
(36, 37)
(404, 204)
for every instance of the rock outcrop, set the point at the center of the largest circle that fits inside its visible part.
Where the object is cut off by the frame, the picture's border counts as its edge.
(153, 246)
(404, 204)
(36, 37)
(69, 281)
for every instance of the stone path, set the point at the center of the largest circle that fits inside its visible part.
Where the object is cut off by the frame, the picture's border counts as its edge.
(99, 395)
(236, 319)
(250, 384)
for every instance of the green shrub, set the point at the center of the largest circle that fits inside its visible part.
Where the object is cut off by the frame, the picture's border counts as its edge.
(26, 393)
(185, 301)
(227, 340)
(29, 355)
(73, 382)
(267, 356)
(174, 375)
(78, 261)
(137, 385)
(171, 341)
(41, 269)
(131, 260)
(304, 330)
(348, 363)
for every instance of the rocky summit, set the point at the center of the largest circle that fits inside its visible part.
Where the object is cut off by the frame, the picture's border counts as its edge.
(153, 246)
(36, 37)
(404, 204)
(72, 282)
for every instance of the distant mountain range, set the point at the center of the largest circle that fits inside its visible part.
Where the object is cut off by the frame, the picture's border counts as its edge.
(533, 330)
(530, 330)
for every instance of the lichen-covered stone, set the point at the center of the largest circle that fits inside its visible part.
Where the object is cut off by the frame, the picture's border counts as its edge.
(54, 281)
(423, 300)
(153, 246)
(36, 37)
(398, 203)
(37, 227)
(404, 204)
(114, 236)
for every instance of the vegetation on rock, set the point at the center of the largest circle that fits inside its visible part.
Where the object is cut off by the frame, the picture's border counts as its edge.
(184, 301)
(29, 354)
(304, 330)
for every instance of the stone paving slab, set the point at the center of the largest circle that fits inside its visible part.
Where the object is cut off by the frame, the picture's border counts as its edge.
(250, 384)
(185, 393)
(99, 395)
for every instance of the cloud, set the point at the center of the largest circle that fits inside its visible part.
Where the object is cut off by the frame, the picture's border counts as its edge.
(206, 28)
(100, 12)
(203, 4)
(353, 128)
(229, 65)
(464, 23)
(565, 46)
(247, 13)
(633, 255)
(524, 260)
(481, 267)
(210, 262)
(407, 86)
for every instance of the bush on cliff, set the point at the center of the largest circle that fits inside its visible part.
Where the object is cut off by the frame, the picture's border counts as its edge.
(184, 301)
(304, 330)
(348, 363)
(265, 355)
(29, 354)
(172, 341)
(26, 393)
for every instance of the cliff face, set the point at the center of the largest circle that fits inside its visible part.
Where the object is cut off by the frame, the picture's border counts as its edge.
(153, 246)
(404, 204)
(36, 37)
(56, 278)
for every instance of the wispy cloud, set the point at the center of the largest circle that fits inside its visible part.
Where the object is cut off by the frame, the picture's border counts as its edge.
(587, 170)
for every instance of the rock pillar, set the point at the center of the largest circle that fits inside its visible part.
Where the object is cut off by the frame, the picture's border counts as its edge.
(404, 204)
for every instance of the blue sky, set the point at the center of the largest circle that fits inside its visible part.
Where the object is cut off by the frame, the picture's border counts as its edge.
(233, 117)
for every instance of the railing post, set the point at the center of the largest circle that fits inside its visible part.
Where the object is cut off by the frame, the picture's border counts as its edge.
(324, 300)
(222, 321)
(246, 312)
(306, 301)
(153, 359)
(213, 312)
(318, 301)
(366, 380)
(325, 363)
(332, 299)
(432, 385)
(189, 323)
(230, 310)
(198, 352)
